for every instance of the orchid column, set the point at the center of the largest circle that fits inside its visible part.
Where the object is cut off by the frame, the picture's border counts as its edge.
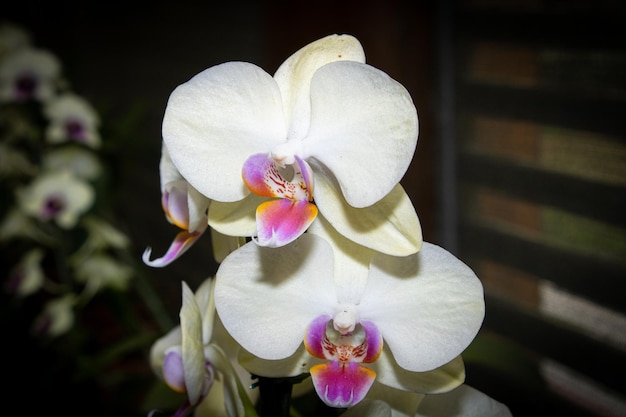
(335, 281)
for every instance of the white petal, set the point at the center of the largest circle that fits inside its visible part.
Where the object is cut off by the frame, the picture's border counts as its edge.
(237, 218)
(294, 76)
(438, 306)
(223, 245)
(352, 262)
(464, 401)
(402, 403)
(158, 348)
(369, 408)
(389, 226)
(363, 129)
(192, 349)
(297, 364)
(266, 297)
(216, 120)
(441, 379)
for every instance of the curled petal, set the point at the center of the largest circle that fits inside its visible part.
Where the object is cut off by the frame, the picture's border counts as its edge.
(342, 385)
(174, 202)
(197, 379)
(182, 242)
(374, 341)
(280, 222)
(314, 336)
(173, 369)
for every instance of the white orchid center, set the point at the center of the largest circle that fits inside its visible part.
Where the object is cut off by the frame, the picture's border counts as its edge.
(285, 153)
(345, 320)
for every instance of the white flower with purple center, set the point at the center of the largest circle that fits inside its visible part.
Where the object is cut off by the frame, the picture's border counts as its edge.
(367, 316)
(72, 119)
(57, 196)
(184, 207)
(29, 74)
(327, 133)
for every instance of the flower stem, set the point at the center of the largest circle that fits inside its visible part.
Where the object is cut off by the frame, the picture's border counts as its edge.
(275, 396)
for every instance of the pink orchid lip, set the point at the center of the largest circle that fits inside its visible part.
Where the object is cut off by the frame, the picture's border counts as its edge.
(342, 384)
(280, 222)
(343, 381)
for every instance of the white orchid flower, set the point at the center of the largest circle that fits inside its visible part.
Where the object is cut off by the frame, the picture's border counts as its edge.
(345, 306)
(184, 207)
(72, 119)
(326, 133)
(190, 360)
(29, 73)
(58, 196)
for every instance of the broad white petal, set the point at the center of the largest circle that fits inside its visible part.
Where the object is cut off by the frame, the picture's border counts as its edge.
(441, 379)
(363, 129)
(402, 403)
(294, 75)
(266, 297)
(390, 226)
(216, 120)
(438, 306)
(464, 401)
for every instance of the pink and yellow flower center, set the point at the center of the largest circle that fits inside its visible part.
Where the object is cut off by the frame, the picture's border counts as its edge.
(291, 210)
(342, 382)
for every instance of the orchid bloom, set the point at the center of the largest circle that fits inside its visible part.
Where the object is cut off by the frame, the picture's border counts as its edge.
(72, 119)
(28, 73)
(58, 196)
(326, 134)
(189, 360)
(368, 316)
(184, 207)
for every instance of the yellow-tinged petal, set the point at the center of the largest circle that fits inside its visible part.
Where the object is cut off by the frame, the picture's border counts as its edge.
(390, 226)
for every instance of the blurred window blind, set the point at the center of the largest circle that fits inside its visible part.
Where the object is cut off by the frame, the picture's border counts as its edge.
(540, 110)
